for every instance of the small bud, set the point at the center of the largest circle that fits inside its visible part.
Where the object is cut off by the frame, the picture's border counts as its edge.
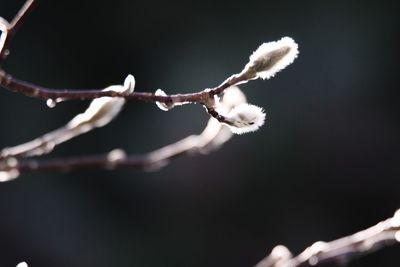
(114, 156)
(245, 118)
(271, 57)
(22, 264)
(160, 105)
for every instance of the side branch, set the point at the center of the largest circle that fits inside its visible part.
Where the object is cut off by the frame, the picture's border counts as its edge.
(338, 252)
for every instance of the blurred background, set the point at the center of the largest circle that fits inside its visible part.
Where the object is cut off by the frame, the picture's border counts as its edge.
(325, 164)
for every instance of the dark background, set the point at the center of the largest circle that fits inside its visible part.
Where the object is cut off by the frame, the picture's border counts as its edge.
(325, 164)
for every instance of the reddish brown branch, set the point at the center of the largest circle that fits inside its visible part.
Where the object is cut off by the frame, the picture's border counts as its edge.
(36, 91)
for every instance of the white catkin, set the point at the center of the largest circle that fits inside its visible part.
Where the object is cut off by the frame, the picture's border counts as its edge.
(245, 118)
(271, 57)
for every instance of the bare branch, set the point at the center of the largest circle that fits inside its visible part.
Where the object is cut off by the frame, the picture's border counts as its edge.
(338, 252)
(31, 90)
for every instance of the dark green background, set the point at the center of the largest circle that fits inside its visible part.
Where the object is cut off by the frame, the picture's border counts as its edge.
(325, 164)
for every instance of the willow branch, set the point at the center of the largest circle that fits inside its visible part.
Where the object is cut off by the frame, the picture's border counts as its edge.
(338, 252)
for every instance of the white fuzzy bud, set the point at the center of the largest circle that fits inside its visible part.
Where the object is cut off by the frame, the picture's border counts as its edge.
(272, 57)
(22, 264)
(161, 105)
(245, 118)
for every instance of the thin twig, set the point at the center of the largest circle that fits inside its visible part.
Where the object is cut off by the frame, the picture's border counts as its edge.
(18, 19)
(338, 252)
(9, 29)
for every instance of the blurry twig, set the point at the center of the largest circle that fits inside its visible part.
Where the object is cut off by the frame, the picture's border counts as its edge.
(338, 252)
(213, 136)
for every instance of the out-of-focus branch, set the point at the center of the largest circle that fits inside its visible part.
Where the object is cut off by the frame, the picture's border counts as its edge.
(338, 252)
(213, 136)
